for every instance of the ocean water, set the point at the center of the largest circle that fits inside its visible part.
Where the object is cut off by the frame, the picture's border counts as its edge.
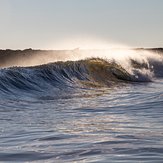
(91, 110)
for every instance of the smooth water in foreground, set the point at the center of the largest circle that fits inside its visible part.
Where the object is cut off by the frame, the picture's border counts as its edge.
(122, 124)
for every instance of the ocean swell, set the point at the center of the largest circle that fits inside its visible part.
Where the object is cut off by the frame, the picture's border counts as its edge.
(83, 74)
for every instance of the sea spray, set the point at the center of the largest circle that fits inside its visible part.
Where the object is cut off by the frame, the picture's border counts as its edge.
(139, 63)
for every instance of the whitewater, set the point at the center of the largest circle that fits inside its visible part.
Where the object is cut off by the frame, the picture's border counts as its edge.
(81, 105)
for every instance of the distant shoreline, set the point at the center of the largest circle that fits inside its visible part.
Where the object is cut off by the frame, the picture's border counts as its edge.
(30, 56)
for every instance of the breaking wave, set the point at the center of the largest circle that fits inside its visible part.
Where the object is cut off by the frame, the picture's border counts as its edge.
(54, 78)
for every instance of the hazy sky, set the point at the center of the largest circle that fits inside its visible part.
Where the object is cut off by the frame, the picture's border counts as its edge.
(56, 24)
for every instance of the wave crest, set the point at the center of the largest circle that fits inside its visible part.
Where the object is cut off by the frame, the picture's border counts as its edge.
(89, 73)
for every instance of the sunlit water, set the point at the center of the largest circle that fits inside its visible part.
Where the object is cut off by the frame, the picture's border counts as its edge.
(122, 124)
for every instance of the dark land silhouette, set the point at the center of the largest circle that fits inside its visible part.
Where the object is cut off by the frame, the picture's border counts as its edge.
(30, 56)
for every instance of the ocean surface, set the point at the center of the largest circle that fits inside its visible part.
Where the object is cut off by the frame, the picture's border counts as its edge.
(86, 110)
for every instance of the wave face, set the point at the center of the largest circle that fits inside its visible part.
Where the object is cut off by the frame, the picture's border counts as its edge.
(60, 76)
(90, 73)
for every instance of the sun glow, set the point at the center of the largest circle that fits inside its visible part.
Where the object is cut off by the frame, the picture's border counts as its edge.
(85, 43)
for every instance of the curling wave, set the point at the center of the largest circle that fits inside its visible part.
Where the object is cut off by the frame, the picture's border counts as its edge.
(54, 78)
